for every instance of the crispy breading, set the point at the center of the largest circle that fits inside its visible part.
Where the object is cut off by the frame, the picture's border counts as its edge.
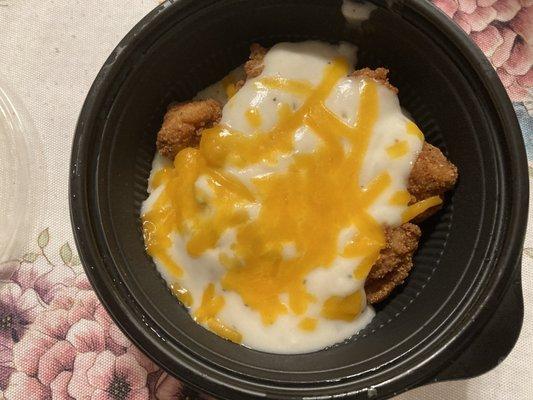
(432, 175)
(378, 290)
(402, 242)
(182, 125)
(394, 262)
(239, 84)
(254, 66)
(379, 75)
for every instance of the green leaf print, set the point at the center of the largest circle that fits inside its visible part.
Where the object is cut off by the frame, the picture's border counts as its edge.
(43, 239)
(75, 261)
(30, 257)
(66, 253)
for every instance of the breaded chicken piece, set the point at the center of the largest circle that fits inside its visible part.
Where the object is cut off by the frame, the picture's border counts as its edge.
(184, 121)
(378, 290)
(432, 175)
(254, 66)
(182, 125)
(402, 242)
(394, 262)
(379, 75)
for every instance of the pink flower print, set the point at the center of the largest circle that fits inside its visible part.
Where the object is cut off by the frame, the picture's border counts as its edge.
(27, 273)
(7, 269)
(43, 277)
(83, 304)
(6, 364)
(107, 376)
(81, 282)
(79, 386)
(59, 386)
(168, 387)
(57, 359)
(115, 339)
(22, 386)
(79, 304)
(18, 309)
(103, 318)
(74, 335)
(117, 342)
(50, 327)
(74, 324)
(143, 360)
(503, 30)
(60, 275)
(87, 336)
(64, 297)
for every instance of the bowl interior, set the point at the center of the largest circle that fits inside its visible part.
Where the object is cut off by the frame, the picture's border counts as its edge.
(181, 54)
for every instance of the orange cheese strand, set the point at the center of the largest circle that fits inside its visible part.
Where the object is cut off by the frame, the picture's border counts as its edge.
(207, 312)
(363, 269)
(343, 308)
(253, 116)
(222, 330)
(374, 189)
(182, 294)
(308, 324)
(398, 149)
(419, 207)
(400, 198)
(412, 129)
(211, 304)
(158, 178)
(292, 86)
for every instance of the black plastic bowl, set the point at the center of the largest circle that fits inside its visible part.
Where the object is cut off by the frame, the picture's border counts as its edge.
(461, 310)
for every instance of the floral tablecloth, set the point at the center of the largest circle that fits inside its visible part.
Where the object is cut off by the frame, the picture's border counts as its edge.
(56, 339)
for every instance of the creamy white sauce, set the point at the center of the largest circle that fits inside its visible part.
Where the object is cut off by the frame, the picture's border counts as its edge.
(304, 62)
(217, 90)
(356, 12)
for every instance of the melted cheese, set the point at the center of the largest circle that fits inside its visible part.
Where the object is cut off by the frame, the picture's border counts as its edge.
(268, 230)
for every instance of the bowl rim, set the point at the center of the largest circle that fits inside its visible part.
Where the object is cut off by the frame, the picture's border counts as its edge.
(86, 230)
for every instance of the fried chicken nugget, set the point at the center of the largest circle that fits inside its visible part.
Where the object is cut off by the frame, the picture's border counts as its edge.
(394, 262)
(432, 175)
(183, 122)
(182, 125)
(254, 66)
(378, 290)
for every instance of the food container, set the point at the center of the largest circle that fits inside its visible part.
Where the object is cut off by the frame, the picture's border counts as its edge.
(21, 175)
(458, 314)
